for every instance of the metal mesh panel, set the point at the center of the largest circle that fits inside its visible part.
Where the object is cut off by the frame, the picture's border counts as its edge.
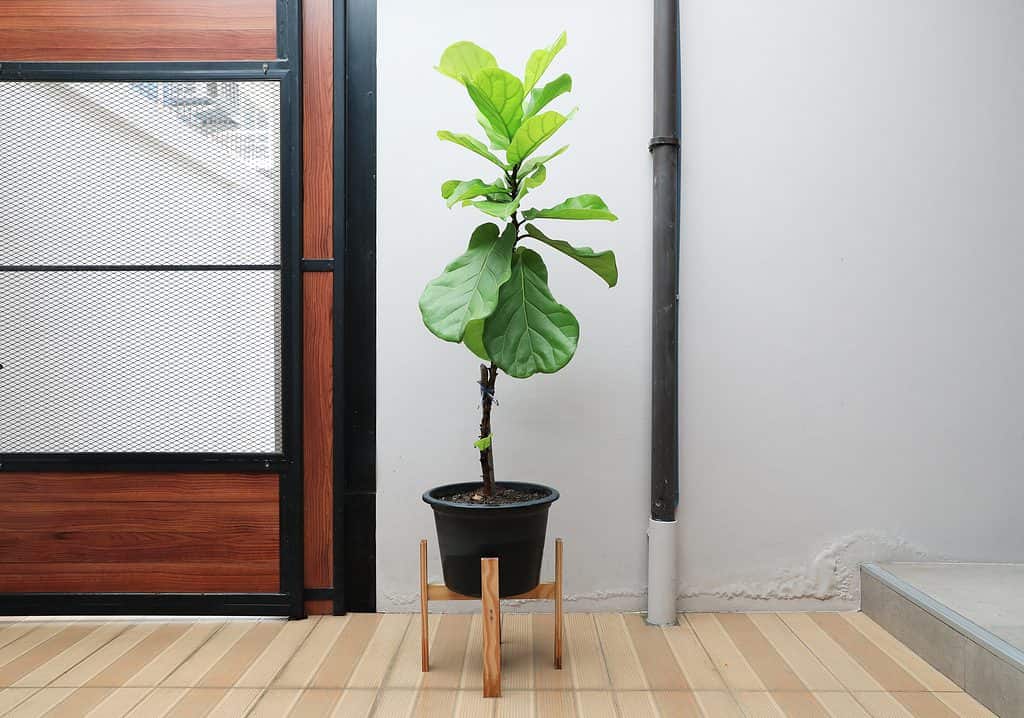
(139, 361)
(139, 173)
(98, 180)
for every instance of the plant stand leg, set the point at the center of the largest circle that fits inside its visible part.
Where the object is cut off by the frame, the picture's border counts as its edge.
(559, 616)
(424, 637)
(491, 609)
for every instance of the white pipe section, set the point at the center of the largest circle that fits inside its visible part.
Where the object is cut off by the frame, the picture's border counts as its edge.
(661, 573)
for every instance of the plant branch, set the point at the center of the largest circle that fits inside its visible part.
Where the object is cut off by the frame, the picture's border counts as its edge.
(487, 378)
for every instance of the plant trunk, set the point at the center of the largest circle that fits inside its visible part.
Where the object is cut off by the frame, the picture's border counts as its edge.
(487, 377)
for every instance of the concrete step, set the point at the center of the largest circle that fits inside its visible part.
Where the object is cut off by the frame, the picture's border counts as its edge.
(966, 619)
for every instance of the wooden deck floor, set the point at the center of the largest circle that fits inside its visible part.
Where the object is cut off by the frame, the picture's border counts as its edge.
(715, 665)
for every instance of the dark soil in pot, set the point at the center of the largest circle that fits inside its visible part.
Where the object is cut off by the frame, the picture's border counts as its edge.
(511, 526)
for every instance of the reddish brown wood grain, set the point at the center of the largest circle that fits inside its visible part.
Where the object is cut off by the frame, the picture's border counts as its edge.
(318, 428)
(103, 532)
(319, 608)
(105, 486)
(318, 127)
(62, 30)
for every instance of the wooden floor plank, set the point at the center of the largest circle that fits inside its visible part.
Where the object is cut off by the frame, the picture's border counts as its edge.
(355, 703)
(727, 658)
(844, 667)
(340, 662)
(276, 654)
(769, 665)
(381, 651)
(304, 664)
(807, 667)
(800, 704)
(919, 668)
(717, 704)
(656, 657)
(889, 674)
(692, 659)
(583, 645)
(841, 705)
(596, 704)
(641, 704)
(620, 655)
(545, 677)
(98, 661)
(822, 665)
(964, 705)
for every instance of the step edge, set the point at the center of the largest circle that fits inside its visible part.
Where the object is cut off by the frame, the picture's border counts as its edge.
(970, 630)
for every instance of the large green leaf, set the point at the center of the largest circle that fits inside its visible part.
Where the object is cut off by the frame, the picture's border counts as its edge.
(502, 210)
(463, 60)
(499, 97)
(470, 143)
(539, 61)
(600, 263)
(474, 339)
(468, 287)
(534, 162)
(533, 133)
(530, 332)
(585, 206)
(540, 97)
(470, 189)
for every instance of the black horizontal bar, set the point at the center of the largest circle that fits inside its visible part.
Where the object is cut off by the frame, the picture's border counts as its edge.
(140, 268)
(317, 265)
(143, 71)
(115, 604)
(318, 594)
(178, 462)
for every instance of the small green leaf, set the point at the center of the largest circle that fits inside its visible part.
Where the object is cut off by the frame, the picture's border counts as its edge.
(539, 62)
(463, 60)
(470, 189)
(600, 263)
(448, 187)
(585, 206)
(474, 339)
(501, 210)
(529, 331)
(470, 143)
(528, 166)
(499, 97)
(468, 287)
(536, 179)
(485, 443)
(538, 98)
(533, 133)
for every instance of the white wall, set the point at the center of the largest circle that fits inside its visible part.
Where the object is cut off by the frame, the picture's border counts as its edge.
(852, 318)
(851, 330)
(585, 429)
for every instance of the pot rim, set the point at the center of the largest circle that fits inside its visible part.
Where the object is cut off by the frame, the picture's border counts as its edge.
(428, 496)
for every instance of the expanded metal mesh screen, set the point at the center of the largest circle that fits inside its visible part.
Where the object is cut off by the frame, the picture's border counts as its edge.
(97, 181)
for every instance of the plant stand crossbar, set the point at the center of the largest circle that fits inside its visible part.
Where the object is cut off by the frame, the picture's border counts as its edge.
(491, 610)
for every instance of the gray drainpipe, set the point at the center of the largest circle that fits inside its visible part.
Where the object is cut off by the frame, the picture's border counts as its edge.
(662, 563)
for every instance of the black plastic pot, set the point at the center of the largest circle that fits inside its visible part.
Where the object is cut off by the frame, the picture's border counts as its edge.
(512, 533)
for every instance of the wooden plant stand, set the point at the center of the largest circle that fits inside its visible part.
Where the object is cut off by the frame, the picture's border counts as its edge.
(491, 611)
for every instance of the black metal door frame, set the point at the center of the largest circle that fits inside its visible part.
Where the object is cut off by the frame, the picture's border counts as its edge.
(287, 464)
(355, 309)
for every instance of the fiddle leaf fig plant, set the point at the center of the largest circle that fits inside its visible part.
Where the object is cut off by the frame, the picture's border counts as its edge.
(494, 298)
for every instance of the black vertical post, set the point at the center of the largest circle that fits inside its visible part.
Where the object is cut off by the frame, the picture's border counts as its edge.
(355, 308)
(290, 49)
(664, 147)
